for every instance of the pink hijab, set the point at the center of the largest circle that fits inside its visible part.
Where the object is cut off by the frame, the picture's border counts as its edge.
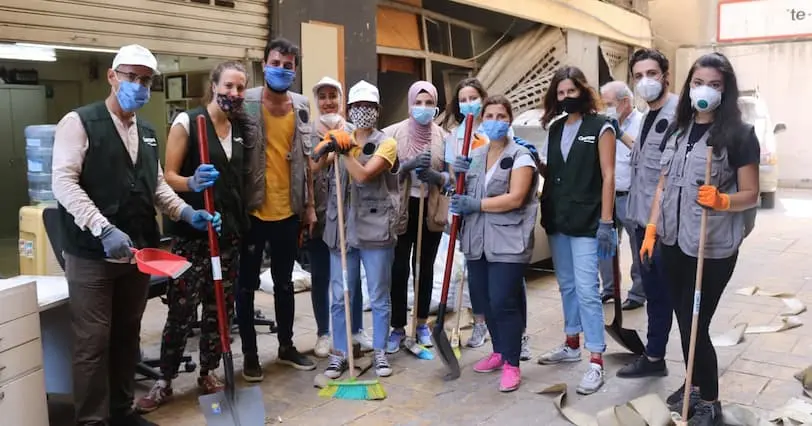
(419, 134)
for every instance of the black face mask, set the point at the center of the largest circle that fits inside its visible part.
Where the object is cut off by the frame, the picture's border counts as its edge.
(571, 105)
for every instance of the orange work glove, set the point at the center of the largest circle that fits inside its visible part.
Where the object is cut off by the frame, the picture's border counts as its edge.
(710, 197)
(647, 248)
(342, 139)
(477, 141)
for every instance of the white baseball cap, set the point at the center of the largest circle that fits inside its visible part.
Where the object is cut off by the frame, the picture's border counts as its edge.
(327, 82)
(134, 54)
(364, 92)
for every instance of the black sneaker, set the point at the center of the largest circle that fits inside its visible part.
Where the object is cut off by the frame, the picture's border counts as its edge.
(643, 367)
(336, 367)
(290, 356)
(706, 414)
(251, 369)
(674, 401)
(132, 419)
(630, 305)
(606, 298)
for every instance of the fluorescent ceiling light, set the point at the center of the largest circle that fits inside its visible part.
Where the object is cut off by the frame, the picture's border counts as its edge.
(27, 53)
(65, 47)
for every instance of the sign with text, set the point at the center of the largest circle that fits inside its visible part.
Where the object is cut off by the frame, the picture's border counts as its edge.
(749, 20)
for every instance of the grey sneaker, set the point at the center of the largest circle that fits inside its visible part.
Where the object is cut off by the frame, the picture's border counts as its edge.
(525, 354)
(382, 367)
(479, 335)
(592, 380)
(560, 354)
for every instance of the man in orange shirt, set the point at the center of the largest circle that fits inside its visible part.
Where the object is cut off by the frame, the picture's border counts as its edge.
(279, 201)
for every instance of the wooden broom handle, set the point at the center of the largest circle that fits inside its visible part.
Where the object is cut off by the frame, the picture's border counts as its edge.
(419, 246)
(342, 239)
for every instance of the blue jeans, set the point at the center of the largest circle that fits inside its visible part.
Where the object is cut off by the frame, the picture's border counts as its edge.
(320, 289)
(637, 292)
(659, 306)
(378, 268)
(576, 269)
(478, 305)
(499, 288)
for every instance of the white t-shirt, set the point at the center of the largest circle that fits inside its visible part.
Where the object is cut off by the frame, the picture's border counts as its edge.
(568, 137)
(183, 120)
(623, 155)
(522, 161)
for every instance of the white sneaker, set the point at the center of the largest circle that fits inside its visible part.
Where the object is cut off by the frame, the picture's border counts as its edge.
(363, 339)
(592, 381)
(560, 354)
(525, 354)
(479, 335)
(322, 348)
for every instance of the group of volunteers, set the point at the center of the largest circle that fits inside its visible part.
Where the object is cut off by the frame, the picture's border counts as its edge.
(604, 166)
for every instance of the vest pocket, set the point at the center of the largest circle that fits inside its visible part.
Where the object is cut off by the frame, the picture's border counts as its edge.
(372, 221)
(506, 236)
(719, 228)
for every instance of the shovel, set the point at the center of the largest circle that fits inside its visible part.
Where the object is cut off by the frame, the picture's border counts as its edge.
(438, 335)
(229, 407)
(629, 339)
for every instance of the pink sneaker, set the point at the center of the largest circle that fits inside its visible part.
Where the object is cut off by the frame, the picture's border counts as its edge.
(490, 363)
(511, 378)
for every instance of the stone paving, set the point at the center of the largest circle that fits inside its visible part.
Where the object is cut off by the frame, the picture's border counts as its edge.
(756, 373)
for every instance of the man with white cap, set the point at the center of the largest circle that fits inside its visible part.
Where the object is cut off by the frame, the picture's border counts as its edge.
(371, 203)
(108, 181)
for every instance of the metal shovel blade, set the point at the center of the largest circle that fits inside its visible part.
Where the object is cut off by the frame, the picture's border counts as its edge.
(629, 339)
(446, 352)
(246, 409)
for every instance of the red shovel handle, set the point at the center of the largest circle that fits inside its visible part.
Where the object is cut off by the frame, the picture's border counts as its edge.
(455, 221)
(214, 246)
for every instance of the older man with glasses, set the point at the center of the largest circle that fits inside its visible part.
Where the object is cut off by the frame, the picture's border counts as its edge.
(107, 179)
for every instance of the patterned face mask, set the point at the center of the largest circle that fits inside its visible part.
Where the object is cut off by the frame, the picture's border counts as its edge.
(364, 117)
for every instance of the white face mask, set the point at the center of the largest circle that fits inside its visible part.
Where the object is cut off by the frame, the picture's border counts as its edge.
(611, 112)
(649, 89)
(330, 120)
(705, 98)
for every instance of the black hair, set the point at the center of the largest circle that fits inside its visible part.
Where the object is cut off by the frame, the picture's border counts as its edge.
(646, 53)
(727, 118)
(283, 46)
(452, 110)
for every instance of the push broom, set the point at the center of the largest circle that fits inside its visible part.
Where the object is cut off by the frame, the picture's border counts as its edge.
(410, 342)
(352, 388)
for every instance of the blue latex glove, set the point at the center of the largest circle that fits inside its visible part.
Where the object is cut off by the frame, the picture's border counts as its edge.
(431, 176)
(616, 126)
(461, 164)
(117, 244)
(204, 177)
(607, 240)
(199, 219)
(465, 204)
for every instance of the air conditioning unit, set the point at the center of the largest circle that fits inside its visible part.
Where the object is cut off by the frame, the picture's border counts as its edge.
(36, 255)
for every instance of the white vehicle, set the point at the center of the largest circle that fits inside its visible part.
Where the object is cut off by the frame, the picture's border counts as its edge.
(754, 111)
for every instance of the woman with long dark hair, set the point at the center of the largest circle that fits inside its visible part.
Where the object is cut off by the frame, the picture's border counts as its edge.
(232, 133)
(577, 204)
(708, 116)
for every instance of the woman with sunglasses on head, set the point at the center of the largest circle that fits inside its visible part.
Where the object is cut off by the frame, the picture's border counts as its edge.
(421, 147)
(577, 204)
(330, 106)
(708, 116)
(232, 134)
(499, 209)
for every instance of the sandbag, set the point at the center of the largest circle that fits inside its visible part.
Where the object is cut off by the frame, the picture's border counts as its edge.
(301, 280)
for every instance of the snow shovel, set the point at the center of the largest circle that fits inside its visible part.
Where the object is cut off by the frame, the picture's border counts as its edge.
(627, 338)
(229, 407)
(152, 261)
(438, 335)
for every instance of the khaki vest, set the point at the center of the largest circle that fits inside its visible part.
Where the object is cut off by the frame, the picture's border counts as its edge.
(501, 237)
(645, 164)
(679, 222)
(298, 156)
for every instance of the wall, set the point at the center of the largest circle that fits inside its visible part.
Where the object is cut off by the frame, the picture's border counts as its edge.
(671, 33)
(781, 73)
(358, 19)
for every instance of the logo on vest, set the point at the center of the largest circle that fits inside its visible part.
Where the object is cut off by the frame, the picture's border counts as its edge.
(150, 141)
(587, 139)
(239, 141)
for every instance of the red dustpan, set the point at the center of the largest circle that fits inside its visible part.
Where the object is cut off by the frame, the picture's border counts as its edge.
(159, 262)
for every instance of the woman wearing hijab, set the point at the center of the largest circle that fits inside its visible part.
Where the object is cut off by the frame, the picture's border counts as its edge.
(421, 147)
(329, 100)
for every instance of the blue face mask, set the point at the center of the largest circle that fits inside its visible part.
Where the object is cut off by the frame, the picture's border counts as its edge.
(279, 79)
(423, 115)
(131, 96)
(494, 129)
(472, 107)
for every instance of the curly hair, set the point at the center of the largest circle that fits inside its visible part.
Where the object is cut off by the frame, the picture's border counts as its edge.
(552, 107)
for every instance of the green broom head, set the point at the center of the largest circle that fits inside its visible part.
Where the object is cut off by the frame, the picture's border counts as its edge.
(370, 390)
(457, 352)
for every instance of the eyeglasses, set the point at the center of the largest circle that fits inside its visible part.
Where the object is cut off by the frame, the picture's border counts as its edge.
(145, 81)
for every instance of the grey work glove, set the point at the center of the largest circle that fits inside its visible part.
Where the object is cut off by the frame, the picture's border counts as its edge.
(422, 161)
(117, 244)
(461, 164)
(465, 204)
(431, 177)
(607, 240)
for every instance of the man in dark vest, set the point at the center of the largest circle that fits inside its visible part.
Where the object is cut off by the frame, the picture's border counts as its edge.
(108, 181)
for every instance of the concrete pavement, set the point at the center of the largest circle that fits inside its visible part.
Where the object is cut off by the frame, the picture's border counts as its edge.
(777, 256)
